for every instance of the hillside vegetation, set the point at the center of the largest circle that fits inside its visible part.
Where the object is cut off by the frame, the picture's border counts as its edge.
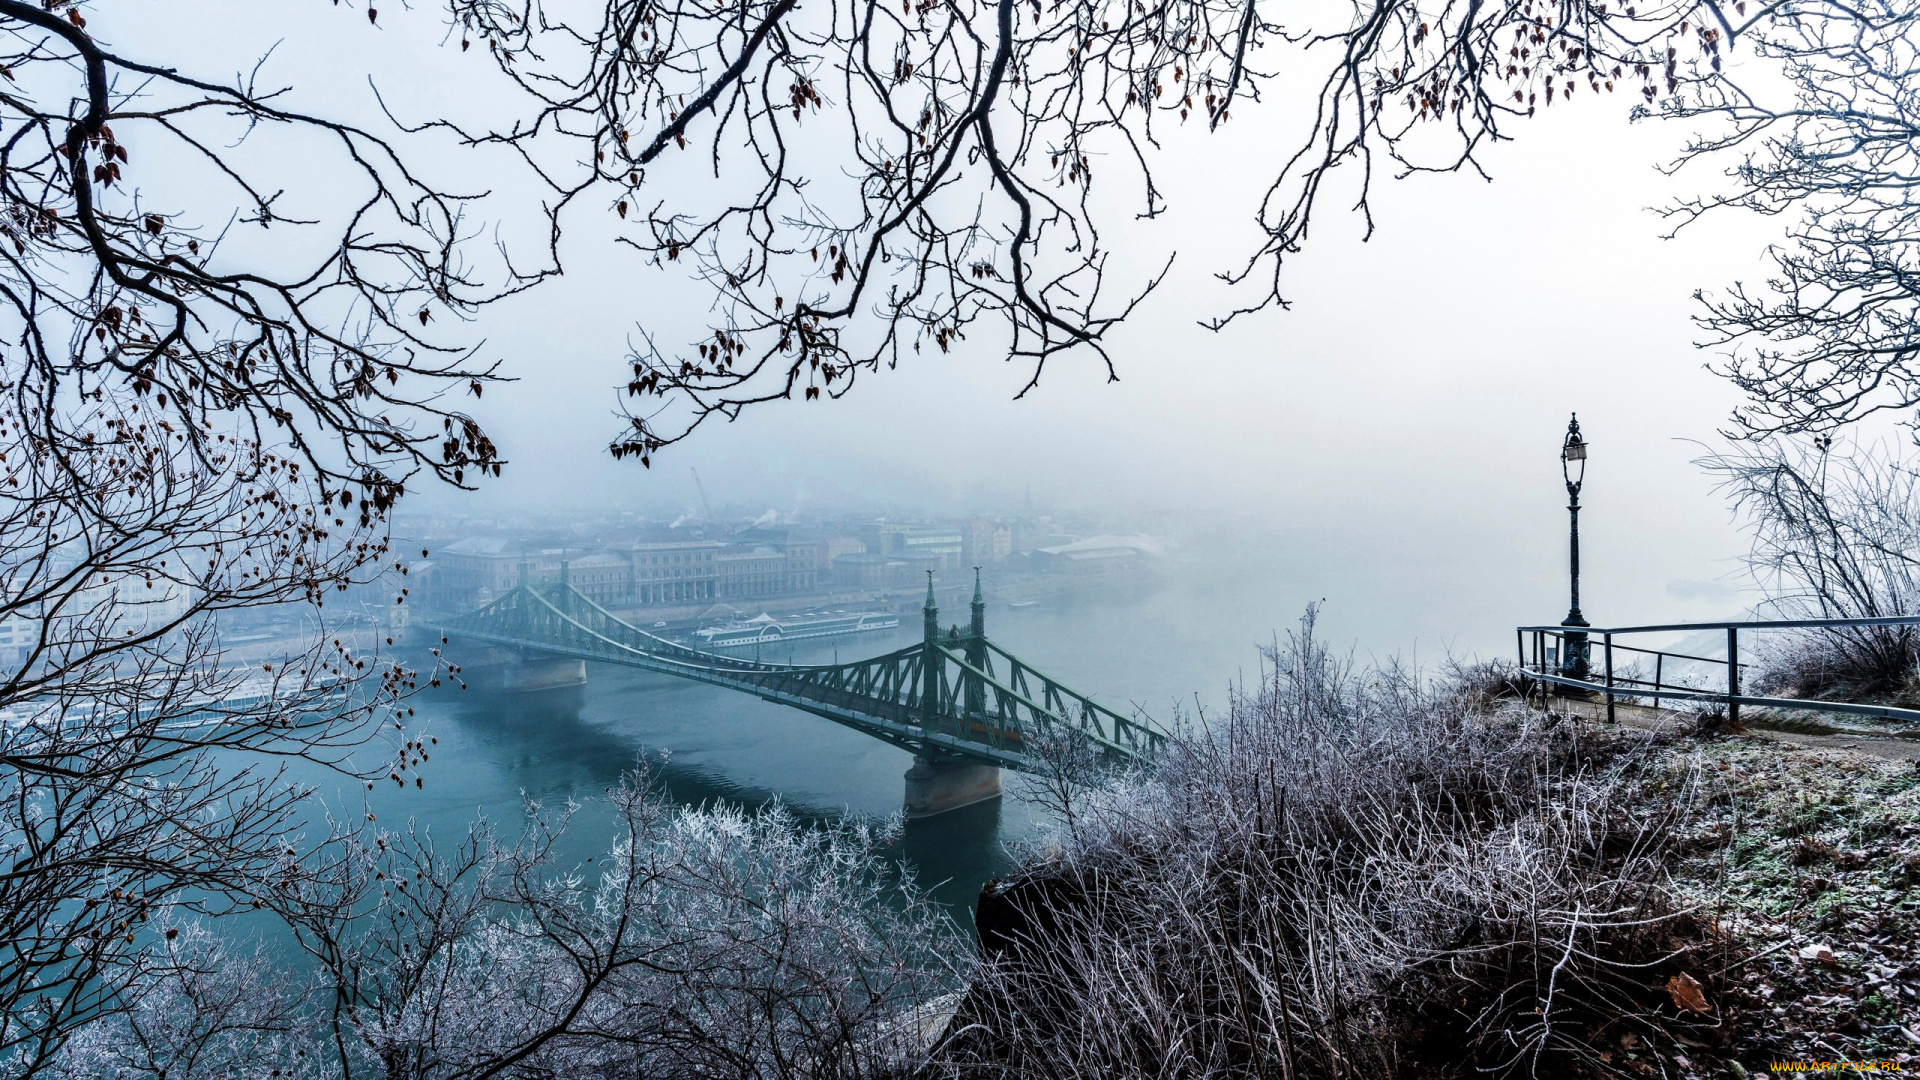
(1350, 874)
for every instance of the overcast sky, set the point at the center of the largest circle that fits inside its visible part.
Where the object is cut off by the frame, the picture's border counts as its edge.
(1393, 435)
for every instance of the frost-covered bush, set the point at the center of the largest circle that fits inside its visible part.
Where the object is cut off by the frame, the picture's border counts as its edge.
(710, 941)
(1855, 664)
(1487, 682)
(1346, 875)
(205, 1009)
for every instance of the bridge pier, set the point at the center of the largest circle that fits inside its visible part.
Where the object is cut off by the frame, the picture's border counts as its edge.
(542, 673)
(937, 785)
(505, 669)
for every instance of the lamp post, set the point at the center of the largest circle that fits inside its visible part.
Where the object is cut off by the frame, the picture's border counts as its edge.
(1573, 469)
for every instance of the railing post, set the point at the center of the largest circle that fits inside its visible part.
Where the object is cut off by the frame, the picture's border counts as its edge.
(1607, 643)
(1659, 659)
(1520, 648)
(1540, 666)
(1733, 677)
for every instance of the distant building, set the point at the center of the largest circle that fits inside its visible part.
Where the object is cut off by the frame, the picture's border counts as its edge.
(898, 540)
(749, 570)
(674, 571)
(18, 636)
(606, 578)
(1098, 555)
(674, 567)
(481, 569)
(985, 542)
(870, 573)
(1025, 535)
(883, 537)
(835, 546)
(938, 545)
(805, 559)
(428, 584)
(124, 605)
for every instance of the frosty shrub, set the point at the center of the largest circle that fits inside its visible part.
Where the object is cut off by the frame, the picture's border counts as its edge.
(1487, 682)
(710, 941)
(1347, 875)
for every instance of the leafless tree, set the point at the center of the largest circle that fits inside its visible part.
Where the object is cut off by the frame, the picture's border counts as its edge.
(193, 421)
(1835, 535)
(1829, 338)
(1814, 122)
(879, 181)
(209, 1007)
(1065, 768)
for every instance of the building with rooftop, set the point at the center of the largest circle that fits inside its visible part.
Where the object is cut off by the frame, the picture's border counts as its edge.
(937, 546)
(675, 571)
(743, 571)
(1098, 555)
(604, 577)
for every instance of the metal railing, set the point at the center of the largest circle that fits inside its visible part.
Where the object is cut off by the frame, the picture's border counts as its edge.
(1546, 664)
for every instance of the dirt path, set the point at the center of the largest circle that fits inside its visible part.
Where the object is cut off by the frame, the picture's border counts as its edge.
(1762, 725)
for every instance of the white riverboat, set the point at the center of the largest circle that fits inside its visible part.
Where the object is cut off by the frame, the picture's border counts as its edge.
(765, 629)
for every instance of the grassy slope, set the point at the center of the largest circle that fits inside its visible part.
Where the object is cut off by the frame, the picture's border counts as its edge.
(1811, 859)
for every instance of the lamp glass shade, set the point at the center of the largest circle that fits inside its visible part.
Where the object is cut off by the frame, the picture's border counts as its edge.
(1574, 450)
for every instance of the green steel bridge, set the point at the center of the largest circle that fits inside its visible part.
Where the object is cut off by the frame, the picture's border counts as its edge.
(955, 697)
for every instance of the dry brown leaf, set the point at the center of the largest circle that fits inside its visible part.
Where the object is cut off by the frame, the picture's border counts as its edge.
(1687, 994)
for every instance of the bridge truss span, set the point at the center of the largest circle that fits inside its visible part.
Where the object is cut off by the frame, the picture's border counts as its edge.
(954, 696)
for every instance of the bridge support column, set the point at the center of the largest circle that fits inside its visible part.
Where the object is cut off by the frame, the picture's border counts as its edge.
(937, 785)
(541, 673)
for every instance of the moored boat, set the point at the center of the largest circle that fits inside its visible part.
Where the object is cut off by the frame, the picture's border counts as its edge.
(765, 629)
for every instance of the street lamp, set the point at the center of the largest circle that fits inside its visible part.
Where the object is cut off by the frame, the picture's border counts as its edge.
(1573, 469)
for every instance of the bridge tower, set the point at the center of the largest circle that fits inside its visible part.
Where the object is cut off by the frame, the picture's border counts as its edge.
(936, 785)
(514, 671)
(929, 659)
(975, 697)
(979, 626)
